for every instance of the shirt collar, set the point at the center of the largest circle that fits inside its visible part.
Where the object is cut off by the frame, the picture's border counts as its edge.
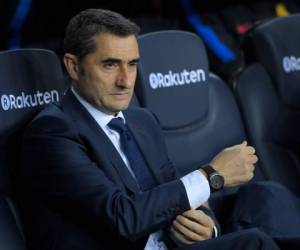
(101, 118)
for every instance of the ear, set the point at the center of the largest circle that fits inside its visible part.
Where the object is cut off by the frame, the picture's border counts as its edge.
(71, 64)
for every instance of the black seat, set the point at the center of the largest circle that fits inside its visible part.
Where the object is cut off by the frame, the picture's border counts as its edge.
(268, 93)
(11, 233)
(196, 109)
(29, 79)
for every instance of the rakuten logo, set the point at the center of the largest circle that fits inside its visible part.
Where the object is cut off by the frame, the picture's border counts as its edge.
(9, 102)
(291, 63)
(159, 80)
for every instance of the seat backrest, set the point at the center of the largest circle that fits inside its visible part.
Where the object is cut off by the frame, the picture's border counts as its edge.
(268, 93)
(29, 79)
(11, 231)
(196, 109)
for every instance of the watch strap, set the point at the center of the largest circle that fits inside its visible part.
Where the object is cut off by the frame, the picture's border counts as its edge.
(208, 169)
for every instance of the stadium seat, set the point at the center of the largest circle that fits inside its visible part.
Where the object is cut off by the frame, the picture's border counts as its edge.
(11, 234)
(29, 79)
(196, 109)
(268, 93)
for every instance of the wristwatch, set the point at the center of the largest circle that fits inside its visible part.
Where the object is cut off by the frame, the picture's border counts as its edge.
(215, 179)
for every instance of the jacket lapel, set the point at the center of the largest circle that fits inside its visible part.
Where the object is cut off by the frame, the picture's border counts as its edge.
(117, 162)
(106, 152)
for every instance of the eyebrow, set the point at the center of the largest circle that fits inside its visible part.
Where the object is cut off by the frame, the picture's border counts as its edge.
(116, 60)
(136, 60)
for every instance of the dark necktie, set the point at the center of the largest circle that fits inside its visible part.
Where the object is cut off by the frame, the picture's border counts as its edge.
(133, 154)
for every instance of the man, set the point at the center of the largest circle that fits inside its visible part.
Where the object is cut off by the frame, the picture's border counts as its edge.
(97, 175)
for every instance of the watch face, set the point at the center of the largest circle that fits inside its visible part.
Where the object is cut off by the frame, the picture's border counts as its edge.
(216, 181)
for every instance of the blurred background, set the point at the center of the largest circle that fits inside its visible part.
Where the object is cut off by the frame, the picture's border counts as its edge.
(222, 24)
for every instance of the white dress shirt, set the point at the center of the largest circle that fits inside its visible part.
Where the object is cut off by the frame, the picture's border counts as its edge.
(195, 183)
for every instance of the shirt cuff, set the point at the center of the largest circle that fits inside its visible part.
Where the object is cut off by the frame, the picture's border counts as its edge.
(196, 187)
(154, 242)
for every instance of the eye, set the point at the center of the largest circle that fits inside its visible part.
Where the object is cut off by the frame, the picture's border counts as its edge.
(133, 64)
(109, 65)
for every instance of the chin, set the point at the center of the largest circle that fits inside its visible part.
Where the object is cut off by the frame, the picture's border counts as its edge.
(119, 108)
(123, 107)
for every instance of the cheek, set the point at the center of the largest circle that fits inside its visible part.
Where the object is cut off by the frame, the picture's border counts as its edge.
(106, 80)
(99, 82)
(132, 76)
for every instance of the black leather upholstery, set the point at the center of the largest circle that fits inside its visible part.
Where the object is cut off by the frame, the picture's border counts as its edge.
(29, 79)
(199, 116)
(166, 73)
(275, 44)
(268, 92)
(11, 236)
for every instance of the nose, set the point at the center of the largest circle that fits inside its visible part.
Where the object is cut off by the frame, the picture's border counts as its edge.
(123, 78)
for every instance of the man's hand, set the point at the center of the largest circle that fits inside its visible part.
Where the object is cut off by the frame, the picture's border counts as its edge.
(192, 226)
(236, 164)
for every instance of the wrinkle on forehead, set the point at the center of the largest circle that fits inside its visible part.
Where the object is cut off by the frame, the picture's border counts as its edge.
(117, 47)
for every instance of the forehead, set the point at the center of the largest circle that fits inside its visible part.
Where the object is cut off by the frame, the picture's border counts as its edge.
(109, 45)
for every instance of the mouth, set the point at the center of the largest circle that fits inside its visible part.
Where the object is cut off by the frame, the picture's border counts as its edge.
(120, 95)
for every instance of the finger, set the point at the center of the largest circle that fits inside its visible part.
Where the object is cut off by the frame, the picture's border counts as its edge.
(243, 144)
(190, 224)
(189, 234)
(180, 237)
(193, 214)
(249, 150)
(251, 159)
(199, 217)
(198, 227)
(255, 159)
(250, 168)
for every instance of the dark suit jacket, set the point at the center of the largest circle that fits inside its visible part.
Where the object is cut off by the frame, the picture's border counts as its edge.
(76, 191)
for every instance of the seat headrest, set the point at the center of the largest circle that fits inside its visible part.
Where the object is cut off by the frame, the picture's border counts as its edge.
(29, 79)
(173, 76)
(277, 47)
